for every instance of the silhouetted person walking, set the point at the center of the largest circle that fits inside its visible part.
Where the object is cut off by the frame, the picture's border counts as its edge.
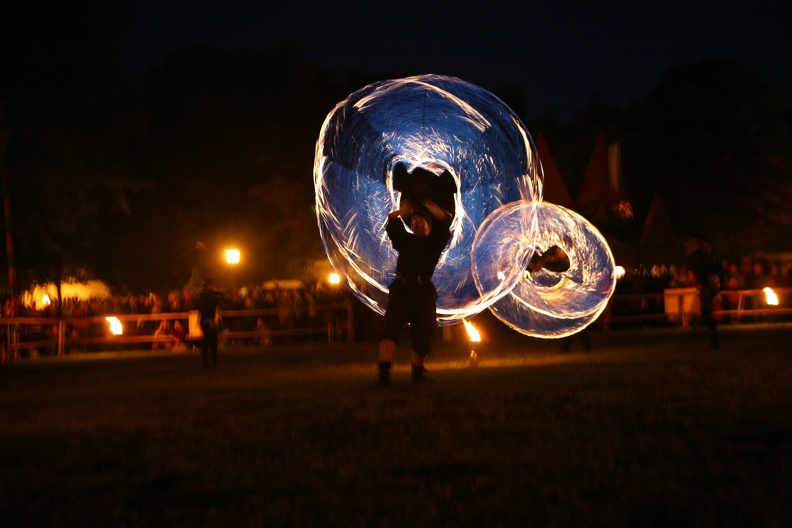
(209, 301)
(700, 261)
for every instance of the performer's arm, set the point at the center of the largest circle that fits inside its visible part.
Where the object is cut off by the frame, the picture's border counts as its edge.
(438, 212)
(405, 209)
(554, 254)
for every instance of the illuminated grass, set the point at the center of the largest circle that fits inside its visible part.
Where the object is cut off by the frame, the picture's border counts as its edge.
(650, 429)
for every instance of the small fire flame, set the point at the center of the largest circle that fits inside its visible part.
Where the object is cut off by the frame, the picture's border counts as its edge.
(115, 325)
(473, 333)
(770, 297)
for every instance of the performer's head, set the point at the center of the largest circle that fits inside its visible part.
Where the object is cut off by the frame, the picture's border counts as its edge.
(420, 225)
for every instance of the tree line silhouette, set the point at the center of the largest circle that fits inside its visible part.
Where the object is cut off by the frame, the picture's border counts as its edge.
(139, 181)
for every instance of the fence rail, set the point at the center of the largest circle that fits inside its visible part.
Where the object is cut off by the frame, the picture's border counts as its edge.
(56, 335)
(682, 306)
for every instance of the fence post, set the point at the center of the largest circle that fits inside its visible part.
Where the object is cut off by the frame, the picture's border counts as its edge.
(15, 342)
(683, 316)
(606, 314)
(61, 337)
(350, 321)
(740, 305)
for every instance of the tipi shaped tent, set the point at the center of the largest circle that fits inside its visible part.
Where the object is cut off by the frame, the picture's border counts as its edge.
(658, 241)
(602, 184)
(555, 189)
(195, 282)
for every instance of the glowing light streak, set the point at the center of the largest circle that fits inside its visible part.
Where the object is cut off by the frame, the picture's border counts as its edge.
(434, 122)
(444, 124)
(549, 304)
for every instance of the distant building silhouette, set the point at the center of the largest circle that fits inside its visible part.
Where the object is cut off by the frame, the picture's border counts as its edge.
(659, 242)
(602, 187)
(555, 188)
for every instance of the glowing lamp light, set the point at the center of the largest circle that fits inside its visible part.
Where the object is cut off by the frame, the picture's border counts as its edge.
(232, 256)
(619, 271)
(115, 325)
(334, 278)
(770, 297)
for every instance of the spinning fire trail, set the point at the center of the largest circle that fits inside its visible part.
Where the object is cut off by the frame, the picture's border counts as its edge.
(444, 124)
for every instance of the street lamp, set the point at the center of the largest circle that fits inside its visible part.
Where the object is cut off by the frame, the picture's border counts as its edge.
(232, 256)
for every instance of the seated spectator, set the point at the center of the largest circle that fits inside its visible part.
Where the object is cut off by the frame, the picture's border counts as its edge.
(162, 336)
(264, 336)
(732, 281)
(179, 335)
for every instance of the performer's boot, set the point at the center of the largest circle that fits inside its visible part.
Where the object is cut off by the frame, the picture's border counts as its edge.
(418, 374)
(384, 373)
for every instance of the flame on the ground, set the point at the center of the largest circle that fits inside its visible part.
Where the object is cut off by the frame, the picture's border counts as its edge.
(770, 297)
(473, 333)
(115, 325)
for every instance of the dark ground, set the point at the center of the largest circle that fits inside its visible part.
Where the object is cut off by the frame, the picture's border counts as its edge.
(651, 428)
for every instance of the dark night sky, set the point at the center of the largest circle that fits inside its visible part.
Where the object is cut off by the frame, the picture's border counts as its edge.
(560, 52)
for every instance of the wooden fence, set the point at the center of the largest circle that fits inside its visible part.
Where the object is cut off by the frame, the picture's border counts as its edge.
(56, 336)
(336, 322)
(681, 306)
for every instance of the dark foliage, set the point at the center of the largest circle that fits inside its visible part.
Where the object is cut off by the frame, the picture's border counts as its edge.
(124, 180)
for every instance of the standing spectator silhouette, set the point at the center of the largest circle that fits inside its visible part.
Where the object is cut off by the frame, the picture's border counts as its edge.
(706, 271)
(209, 301)
(732, 281)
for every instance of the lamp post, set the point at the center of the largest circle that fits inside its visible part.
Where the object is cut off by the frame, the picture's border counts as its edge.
(232, 258)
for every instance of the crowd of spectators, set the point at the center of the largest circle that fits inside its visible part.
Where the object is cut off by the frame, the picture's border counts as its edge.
(730, 277)
(745, 273)
(285, 311)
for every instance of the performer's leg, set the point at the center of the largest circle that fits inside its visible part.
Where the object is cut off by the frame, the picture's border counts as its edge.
(213, 348)
(395, 319)
(424, 324)
(387, 349)
(418, 359)
(204, 345)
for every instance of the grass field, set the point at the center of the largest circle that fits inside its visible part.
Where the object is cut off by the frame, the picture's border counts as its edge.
(651, 428)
